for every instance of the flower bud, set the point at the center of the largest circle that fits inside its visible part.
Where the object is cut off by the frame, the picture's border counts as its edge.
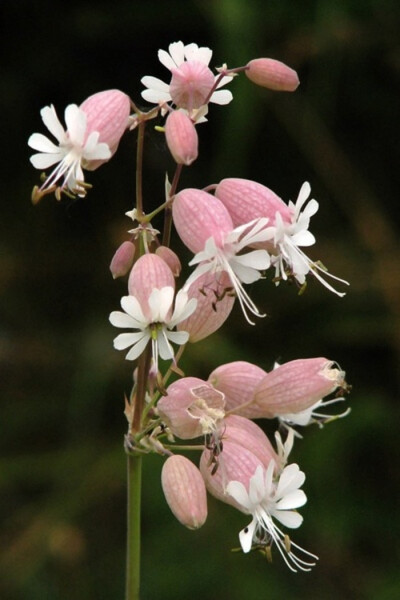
(149, 272)
(106, 112)
(272, 74)
(182, 139)
(295, 386)
(214, 304)
(184, 491)
(238, 381)
(170, 258)
(198, 216)
(122, 260)
(234, 463)
(191, 408)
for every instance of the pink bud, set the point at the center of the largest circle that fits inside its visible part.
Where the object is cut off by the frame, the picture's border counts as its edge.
(122, 260)
(214, 304)
(238, 381)
(272, 74)
(244, 432)
(234, 463)
(295, 386)
(182, 139)
(106, 112)
(247, 200)
(170, 258)
(184, 491)
(149, 272)
(191, 408)
(198, 216)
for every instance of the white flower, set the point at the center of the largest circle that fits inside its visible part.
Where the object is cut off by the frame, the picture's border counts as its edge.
(192, 81)
(288, 237)
(241, 268)
(157, 327)
(75, 148)
(268, 499)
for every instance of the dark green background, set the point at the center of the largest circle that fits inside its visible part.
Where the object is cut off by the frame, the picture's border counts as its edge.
(62, 470)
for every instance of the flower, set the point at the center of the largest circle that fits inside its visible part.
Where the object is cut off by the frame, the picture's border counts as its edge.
(205, 227)
(288, 226)
(289, 237)
(92, 134)
(192, 84)
(155, 327)
(266, 499)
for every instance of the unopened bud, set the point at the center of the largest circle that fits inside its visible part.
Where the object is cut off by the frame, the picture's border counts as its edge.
(181, 136)
(122, 260)
(171, 258)
(272, 74)
(184, 491)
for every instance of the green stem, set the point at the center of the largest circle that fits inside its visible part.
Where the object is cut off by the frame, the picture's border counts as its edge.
(139, 169)
(168, 210)
(133, 527)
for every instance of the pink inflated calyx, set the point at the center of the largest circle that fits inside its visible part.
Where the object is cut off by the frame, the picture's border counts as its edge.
(148, 273)
(191, 408)
(182, 139)
(234, 463)
(191, 84)
(215, 300)
(272, 74)
(184, 491)
(244, 432)
(246, 200)
(295, 386)
(238, 381)
(106, 112)
(199, 216)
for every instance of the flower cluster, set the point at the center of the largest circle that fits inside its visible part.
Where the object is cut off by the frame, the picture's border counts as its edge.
(238, 230)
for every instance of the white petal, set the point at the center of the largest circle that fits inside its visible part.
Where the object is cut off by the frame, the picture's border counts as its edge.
(75, 120)
(122, 320)
(246, 536)
(303, 238)
(292, 500)
(257, 259)
(257, 486)
(221, 97)
(226, 79)
(124, 340)
(183, 308)
(310, 209)
(289, 518)
(305, 191)
(155, 84)
(43, 161)
(40, 142)
(131, 305)
(244, 274)
(165, 349)
(160, 302)
(178, 337)
(138, 348)
(50, 119)
(177, 53)
(239, 493)
(291, 479)
(193, 52)
(155, 97)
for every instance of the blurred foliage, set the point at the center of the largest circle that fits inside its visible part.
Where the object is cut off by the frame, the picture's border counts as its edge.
(62, 472)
